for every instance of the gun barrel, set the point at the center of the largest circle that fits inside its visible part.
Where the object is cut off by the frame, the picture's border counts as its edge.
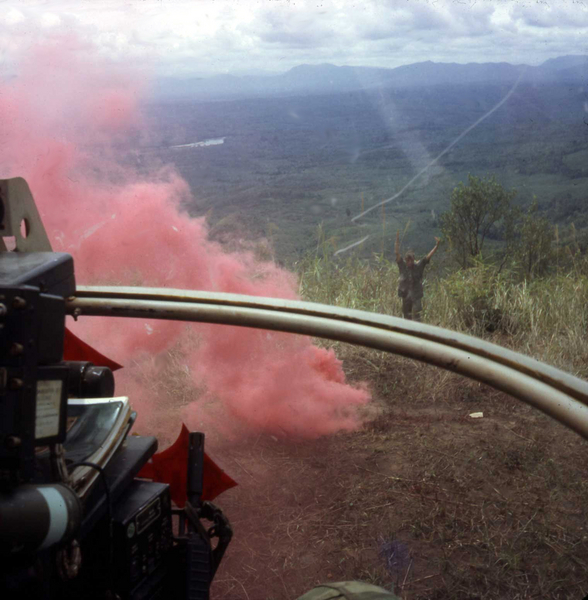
(36, 517)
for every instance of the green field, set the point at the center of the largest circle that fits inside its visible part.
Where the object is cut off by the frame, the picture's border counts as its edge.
(289, 165)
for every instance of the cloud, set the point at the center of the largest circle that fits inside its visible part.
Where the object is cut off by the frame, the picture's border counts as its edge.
(562, 15)
(177, 37)
(291, 29)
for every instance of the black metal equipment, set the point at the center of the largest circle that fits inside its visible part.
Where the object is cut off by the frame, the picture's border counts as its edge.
(75, 521)
(33, 381)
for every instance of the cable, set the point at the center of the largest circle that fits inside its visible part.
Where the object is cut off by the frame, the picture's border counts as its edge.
(109, 511)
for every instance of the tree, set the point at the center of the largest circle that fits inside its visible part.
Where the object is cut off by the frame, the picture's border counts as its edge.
(476, 209)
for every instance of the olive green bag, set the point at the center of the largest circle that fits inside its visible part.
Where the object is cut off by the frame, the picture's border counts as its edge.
(348, 590)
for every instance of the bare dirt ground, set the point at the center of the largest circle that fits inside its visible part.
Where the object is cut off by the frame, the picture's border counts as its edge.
(424, 499)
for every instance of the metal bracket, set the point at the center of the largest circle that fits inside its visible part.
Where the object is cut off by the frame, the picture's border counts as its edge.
(19, 218)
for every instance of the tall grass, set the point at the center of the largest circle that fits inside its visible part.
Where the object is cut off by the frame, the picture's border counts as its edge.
(544, 317)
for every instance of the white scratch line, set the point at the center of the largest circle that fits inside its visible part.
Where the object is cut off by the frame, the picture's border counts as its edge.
(495, 108)
(351, 245)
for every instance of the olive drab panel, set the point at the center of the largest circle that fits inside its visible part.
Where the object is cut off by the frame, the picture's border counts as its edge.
(348, 590)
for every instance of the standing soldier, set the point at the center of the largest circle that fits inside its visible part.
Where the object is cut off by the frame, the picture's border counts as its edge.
(410, 283)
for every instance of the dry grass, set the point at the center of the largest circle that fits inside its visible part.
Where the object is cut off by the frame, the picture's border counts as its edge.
(424, 499)
(545, 317)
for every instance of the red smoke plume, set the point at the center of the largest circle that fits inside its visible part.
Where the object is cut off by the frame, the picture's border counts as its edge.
(61, 118)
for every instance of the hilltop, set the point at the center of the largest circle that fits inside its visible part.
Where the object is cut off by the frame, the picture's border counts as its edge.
(311, 79)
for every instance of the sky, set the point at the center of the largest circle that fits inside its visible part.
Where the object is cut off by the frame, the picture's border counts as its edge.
(182, 38)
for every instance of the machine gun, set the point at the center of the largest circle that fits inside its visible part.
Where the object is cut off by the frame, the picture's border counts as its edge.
(76, 521)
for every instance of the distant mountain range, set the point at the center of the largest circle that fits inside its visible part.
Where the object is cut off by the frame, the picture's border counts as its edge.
(328, 78)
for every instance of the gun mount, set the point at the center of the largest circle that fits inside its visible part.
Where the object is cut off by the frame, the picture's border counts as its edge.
(77, 517)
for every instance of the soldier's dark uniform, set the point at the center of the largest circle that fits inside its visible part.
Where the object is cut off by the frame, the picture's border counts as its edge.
(410, 288)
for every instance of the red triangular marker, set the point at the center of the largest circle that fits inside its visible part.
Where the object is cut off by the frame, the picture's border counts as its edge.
(76, 349)
(171, 466)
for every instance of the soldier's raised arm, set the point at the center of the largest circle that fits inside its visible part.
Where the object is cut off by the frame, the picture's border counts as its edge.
(397, 247)
(430, 255)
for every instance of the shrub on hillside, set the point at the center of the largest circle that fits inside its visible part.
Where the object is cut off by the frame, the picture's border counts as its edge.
(474, 300)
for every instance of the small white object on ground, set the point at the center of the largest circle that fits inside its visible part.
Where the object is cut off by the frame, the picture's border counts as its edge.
(478, 415)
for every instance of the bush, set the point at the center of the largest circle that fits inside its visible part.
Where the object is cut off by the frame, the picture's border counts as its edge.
(474, 300)
(545, 317)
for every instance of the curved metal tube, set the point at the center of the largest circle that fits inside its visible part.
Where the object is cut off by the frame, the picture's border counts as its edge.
(558, 394)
